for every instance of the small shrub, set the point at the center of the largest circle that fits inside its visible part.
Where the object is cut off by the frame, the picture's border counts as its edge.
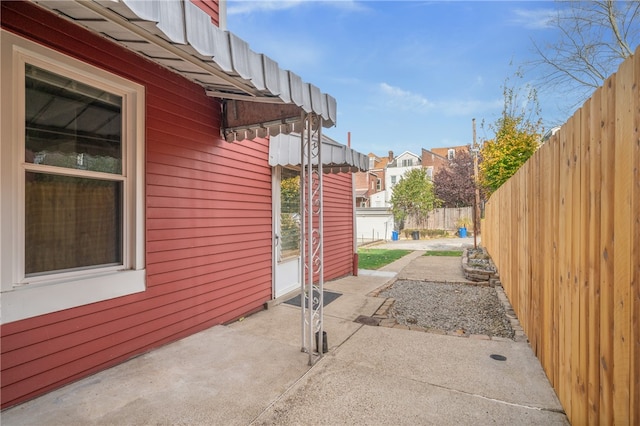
(425, 233)
(463, 222)
(434, 233)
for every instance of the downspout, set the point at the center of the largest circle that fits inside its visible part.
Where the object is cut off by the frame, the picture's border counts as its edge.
(355, 234)
(222, 15)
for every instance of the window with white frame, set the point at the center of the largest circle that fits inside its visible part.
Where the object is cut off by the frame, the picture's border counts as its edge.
(378, 184)
(451, 154)
(73, 176)
(407, 162)
(73, 142)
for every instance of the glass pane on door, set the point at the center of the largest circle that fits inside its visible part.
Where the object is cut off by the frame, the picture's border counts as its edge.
(289, 214)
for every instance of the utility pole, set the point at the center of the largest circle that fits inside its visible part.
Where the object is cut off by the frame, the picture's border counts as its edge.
(476, 203)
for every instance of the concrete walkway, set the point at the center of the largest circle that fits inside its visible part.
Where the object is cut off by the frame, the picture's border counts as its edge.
(435, 268)
(430, 244)
(253, 372)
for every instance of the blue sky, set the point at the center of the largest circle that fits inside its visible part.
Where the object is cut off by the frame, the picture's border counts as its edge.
(406, 74)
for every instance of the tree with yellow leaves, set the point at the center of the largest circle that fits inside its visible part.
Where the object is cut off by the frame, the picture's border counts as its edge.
(517, 137)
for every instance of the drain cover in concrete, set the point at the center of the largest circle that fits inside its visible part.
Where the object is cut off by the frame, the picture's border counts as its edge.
(363, 319)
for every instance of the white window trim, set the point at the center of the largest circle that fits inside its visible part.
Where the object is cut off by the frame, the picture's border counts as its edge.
(22, 298)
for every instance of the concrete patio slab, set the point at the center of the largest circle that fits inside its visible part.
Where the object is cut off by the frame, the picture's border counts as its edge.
(218, 376)
(283, 324)
(452, 362)
(360, 285)
(253, 372)
(388, 376)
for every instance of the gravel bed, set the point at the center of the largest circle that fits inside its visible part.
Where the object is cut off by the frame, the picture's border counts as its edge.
(457, 308)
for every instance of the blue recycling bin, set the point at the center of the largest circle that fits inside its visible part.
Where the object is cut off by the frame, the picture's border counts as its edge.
(394, 235)
(462, 232)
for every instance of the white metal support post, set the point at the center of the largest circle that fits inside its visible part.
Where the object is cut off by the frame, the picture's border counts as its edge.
(311, 237)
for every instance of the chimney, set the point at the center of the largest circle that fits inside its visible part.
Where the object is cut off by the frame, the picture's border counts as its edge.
(390, 155)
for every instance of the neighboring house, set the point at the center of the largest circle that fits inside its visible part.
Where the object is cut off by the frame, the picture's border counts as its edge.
(378, 199)
(374, 187)
(449, 152)
(374, 223)
(370, 185)
(548, 134)
(396, 169)
(366, 183)
(433, 162)
(127, 220)
(391, 169)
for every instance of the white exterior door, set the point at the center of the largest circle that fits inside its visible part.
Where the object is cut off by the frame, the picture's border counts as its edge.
(286, 231)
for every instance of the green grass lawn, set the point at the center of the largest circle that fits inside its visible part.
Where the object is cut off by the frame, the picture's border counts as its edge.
(451, 253)
(377, 258)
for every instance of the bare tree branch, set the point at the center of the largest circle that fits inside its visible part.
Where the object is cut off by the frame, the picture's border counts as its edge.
(594, 37)
(624, 49)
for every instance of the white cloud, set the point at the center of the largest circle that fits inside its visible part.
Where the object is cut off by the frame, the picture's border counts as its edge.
(470, 106)
(244, 7)
(405, 100)
(534, 19)
(240, 7)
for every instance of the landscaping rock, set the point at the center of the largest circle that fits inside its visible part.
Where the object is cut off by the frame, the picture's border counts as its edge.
(478, 266)
(459, 309)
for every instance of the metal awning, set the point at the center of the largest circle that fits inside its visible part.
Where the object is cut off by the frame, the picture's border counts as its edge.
(181, 37)
(284, 150)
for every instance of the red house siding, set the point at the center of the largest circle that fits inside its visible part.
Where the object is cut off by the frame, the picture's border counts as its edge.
(338, 225)
(212, 7)
(208, 228)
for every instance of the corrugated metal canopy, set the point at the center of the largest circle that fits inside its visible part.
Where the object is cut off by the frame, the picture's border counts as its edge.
(284, 150)
(180, 36)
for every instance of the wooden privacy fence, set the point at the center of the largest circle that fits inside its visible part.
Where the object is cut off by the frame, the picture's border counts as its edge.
(564, 232)
(442, 218)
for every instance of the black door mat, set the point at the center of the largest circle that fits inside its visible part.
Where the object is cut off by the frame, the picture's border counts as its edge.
(328, 297)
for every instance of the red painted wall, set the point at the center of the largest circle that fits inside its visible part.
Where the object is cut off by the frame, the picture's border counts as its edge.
(208, 238)
(212, 7)
(338, 225)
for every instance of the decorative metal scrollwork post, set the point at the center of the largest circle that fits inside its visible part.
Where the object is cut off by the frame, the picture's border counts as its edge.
(311, 237)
